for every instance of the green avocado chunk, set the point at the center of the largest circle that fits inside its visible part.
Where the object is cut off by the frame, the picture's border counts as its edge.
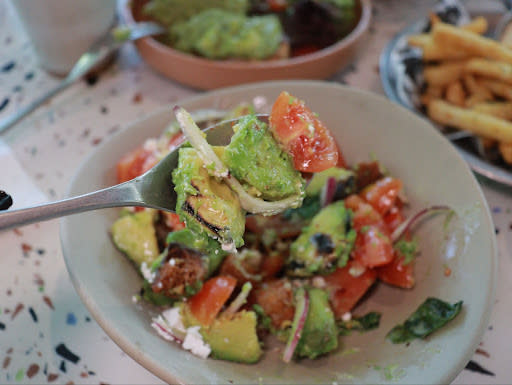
(168, 12)
(134, 235)
(235, 339)
(324, 244)
(345, 181)
(201, 242)
(205, 203)
(219, 34)
(254, 158)
(320, 334)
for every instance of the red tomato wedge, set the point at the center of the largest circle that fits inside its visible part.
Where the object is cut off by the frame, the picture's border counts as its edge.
(172, 220)
(345, 289)
(394, 218)
(277, 5)
(134, 164)
(373, 245)
(303, 135)
(364, 213)
(140, 160)
(382, 194)
(397, 273)
(207, 303)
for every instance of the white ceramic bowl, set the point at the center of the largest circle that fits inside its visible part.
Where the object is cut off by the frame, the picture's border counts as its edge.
(363, 124)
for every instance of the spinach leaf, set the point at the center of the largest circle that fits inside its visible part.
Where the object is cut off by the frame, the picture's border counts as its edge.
(364, 323)
(309, 208)
(430, 316)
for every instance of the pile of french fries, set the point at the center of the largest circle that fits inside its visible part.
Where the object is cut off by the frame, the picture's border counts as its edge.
(468, 80)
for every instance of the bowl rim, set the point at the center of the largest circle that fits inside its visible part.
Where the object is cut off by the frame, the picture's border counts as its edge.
(125, 11)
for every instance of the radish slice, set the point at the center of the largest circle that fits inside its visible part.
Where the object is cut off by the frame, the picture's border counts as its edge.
(299, 320)
(328, 192)
(249, 203)
(409, 222)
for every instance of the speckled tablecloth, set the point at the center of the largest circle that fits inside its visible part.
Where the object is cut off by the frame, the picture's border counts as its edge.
(46, 334)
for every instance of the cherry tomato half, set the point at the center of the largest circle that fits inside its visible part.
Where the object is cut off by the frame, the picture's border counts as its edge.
(303, 135)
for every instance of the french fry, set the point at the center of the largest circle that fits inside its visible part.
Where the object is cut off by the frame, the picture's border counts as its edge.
(506, 151)
(444, 73)
(489, 68)
(434, 18)
(465, 119)
(420, 40)
(431, 93)
(432, 50)
(455, 93)
(497, 88)
(470, 42)
(472, 100)
(478, 25)
(502, 110)
(476, 90)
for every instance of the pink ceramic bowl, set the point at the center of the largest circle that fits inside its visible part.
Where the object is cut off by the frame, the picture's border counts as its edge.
(204, 73)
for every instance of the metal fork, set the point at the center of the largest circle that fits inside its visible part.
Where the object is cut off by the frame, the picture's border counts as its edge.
(100, 50)
(153, 189)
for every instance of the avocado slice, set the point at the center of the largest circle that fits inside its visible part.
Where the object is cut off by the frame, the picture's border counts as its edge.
(324, 244)
(134, 234)
(254, 158)
(345, 182)
(234, 338)
(205, 203)
(320, 334)
(231, 337)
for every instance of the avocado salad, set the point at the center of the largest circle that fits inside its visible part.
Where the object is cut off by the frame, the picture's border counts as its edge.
(252, 29)
(274, 234)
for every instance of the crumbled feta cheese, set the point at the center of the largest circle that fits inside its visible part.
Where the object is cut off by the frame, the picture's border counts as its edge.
(346, 316)
(194, 342)
(151, 145)
(172, 318)
(311, 129)
(163, 331)
(318, 282)
(147, 273)
(229, 247)
(356, 271)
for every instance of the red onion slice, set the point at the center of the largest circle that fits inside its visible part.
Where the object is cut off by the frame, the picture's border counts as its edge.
(409, 222)
(165, 332)
(328, 191)
(299, 320)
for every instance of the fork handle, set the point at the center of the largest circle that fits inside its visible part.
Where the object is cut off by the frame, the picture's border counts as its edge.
(22, 112)
(125, 194)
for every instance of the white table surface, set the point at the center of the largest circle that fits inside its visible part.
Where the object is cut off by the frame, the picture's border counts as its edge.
(40, 313)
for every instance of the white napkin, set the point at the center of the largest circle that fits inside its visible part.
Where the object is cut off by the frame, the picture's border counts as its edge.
(16, 182)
